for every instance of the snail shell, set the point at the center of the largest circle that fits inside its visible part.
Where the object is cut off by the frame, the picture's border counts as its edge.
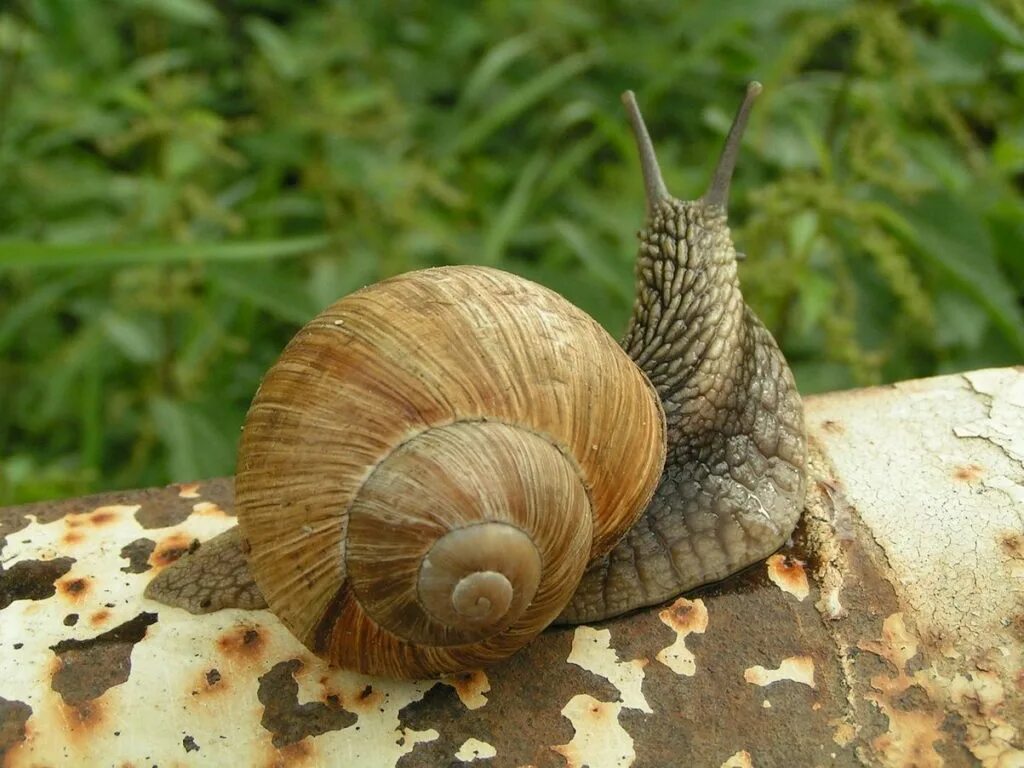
(428, 469)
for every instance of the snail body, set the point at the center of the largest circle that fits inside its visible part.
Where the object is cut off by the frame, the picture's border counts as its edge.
(441, 465)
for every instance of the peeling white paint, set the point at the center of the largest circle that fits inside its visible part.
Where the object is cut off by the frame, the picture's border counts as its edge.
(188, 490)
(223, 720)
(741, 759)
(600, 741)
(470, 687)
(935, 470)
(474, 749)
(684, 617)
(798, 669)
(591, 649)
(788, 575)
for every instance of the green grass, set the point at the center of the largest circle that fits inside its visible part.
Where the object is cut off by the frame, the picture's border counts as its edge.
(183, 183)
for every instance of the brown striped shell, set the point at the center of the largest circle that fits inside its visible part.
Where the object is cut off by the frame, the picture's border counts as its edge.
(429, 467)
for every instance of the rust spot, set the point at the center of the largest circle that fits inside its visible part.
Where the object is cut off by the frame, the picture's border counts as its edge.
(789, 575)
(684, 616)
(833, 427)
(98, 518)
(968, 473)
(75, 589)
(71, 538)
(245, 642)
(102, 517)
(1012, 543)
(209, 683)
(170, 549)
(299, 753)
(99, 618)
(364, 700)
(82, 717)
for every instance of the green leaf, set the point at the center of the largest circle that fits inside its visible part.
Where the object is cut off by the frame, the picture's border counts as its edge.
(45, 255)
(196, 448)
(275, 47)
(195, 12)
(521, 99)
(947, 232)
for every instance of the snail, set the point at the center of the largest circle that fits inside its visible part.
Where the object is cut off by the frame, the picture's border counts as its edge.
(441, 465)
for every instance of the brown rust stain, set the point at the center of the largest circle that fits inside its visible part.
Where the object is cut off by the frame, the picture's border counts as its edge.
(97, 518)
(685, 616)
(833, 427)
(245, 642)
(301, 753)
(968, 473)
(1012, 544)
(99, 618)
(72, 537)
(171, 548)
(82, 719)
(364, 700)
(207, 686)
(75, 589)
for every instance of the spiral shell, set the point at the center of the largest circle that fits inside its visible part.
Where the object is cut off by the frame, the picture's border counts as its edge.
(429, 467)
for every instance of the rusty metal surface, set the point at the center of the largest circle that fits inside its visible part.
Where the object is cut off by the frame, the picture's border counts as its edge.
(889, 632)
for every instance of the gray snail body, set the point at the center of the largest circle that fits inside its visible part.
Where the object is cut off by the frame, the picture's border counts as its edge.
(711, 463)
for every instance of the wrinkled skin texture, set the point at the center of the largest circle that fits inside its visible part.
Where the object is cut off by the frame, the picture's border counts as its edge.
(734, 479)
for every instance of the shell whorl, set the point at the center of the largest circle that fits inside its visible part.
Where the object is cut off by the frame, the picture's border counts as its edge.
(426, 472)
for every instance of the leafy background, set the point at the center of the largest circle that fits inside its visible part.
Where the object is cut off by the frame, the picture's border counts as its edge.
(183, 183)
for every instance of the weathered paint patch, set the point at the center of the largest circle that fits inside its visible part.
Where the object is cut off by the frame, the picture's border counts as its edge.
(87, 668)
(914, 727)
(137, 553)
(788, 574)
(741, 759)
(188, 490)
(124, 697)
(591, 650)
(474, 749)
(684, 617)
(32, 579)
(600, 741)
(287, 719)
(208, 508)
(470, 687)
(798, 669)
(13, 716)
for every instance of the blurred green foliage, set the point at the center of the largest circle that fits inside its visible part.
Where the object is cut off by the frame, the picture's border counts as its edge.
(183, 183)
